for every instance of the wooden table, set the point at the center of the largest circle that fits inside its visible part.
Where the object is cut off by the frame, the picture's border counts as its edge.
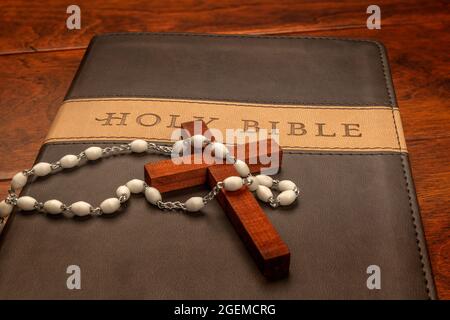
(39, 56)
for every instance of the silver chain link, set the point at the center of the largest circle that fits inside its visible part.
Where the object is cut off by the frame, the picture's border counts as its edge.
(39, 206)
(167, 206)
(55, 165)
(213, 193)
(171, 205)
(116, 149)
(160, 148)
(11, 198)
(274, 203)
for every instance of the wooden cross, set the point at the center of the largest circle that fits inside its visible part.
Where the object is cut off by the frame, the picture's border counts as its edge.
(260, 237)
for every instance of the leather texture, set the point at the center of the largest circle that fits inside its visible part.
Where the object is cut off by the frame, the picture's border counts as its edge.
(281, 70)
(356, 208)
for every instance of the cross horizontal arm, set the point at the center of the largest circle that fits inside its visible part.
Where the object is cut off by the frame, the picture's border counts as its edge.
(167, 176)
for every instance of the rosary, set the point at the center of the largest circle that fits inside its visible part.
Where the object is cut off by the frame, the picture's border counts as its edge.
(260, 184)
(231, 189)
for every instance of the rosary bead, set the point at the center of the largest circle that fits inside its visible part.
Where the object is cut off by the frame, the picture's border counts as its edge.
(194, 204)
(262, 184)
(135, 186)
(285, 185)
(242, 168)
(286, 197)
(69, 161)
(232, 183)
(264, 193)
(5, 209)
(178, 147)
(26, 203)
(42, 169)
(110, 205)
(254, 185)
(19, 180)
(152, 195)
(80, 208)
(93, 153)
(220, 150)
(198, 140)
(53, 206)
(139, 146)
(123, 191)
(264, 180)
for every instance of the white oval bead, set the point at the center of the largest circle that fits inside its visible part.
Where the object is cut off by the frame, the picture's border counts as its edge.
(263, 193)
(42, 169)
(19, 180)
(152, 195)
(26, 203)
(93, 153)
(135, 186)
(139, 146)
(123, 191)
(264, 180)
(5, 209)
(110, 205)
(254, 185)
(198, 140)
(53, 206)
(69, 161)
(81, 208)
(286, 197)
(242, 168)
(178, 147)
(284, 185)
(220, 150)
(194, 204)
(232, 183)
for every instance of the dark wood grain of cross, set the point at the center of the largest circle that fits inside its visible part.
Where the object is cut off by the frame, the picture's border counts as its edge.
(258, 234)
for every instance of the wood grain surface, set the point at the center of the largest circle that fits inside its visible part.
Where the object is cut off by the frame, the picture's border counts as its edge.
(39, 57)
(166, 176)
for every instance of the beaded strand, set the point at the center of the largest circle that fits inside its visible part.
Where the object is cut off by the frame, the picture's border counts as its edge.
(261, 185)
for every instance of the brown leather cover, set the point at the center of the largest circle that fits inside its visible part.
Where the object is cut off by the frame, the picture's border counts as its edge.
(357, 208)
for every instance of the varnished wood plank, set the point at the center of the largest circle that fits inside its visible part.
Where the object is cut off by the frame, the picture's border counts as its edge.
(415, 33)
(430, 162)
(32, 89)
(29, 26)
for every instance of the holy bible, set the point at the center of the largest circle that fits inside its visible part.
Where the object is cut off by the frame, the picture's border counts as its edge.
(354, 233)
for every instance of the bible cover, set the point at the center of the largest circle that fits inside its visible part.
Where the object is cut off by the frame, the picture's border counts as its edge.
(332, 100)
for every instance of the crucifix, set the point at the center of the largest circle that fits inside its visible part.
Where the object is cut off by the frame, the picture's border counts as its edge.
(263, 242)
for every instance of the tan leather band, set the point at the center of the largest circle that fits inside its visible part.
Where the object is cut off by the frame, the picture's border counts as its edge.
(333, 128)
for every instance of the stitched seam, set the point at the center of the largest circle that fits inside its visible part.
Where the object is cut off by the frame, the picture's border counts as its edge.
(260, 105)
(325, 103)
(159, 139)
(350, 153)
(284, 151)
(408, 189)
